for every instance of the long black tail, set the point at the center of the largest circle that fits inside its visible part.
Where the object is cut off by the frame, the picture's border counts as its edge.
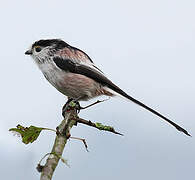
(121, 92)
(71, 66)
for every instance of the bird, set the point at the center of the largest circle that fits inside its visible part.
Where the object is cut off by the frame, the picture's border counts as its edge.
(73, 73)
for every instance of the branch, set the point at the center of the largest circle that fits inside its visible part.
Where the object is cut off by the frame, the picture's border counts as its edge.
(70, 113)
(97, 126)
(63, 133)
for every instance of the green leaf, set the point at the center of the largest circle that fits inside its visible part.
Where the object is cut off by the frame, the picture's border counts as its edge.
(100, 126)
(28, 134)
(72, 104)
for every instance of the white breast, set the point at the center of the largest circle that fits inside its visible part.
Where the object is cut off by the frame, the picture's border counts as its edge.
(70, 84)
(53, 74)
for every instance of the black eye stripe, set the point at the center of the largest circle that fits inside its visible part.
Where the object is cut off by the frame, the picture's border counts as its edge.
(37, 49)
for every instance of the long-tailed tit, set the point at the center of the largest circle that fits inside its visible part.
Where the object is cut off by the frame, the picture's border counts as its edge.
(72, 72)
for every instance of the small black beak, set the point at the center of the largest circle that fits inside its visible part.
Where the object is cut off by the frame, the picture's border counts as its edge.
(29, 52)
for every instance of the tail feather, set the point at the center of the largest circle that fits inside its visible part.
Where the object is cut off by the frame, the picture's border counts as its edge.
(122, 93)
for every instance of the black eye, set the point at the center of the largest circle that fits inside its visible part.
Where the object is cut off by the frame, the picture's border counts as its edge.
(37, 49)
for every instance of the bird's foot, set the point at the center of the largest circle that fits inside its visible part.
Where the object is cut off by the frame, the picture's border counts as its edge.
(69, 104)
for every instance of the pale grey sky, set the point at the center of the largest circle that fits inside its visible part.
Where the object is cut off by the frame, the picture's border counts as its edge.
(145, 47)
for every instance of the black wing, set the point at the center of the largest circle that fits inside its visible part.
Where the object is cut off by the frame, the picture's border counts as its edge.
(70, 66)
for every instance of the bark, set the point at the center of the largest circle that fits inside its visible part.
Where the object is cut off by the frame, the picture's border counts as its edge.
(62, 135)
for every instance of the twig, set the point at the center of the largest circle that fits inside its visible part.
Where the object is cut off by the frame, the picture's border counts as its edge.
(83, 140)
(98, 126)
(97, 102)
(50, 129)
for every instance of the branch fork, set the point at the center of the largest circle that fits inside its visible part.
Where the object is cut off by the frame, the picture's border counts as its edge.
(70, 113)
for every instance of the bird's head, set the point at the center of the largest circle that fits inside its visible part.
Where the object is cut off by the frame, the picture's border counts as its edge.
(44, 49)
